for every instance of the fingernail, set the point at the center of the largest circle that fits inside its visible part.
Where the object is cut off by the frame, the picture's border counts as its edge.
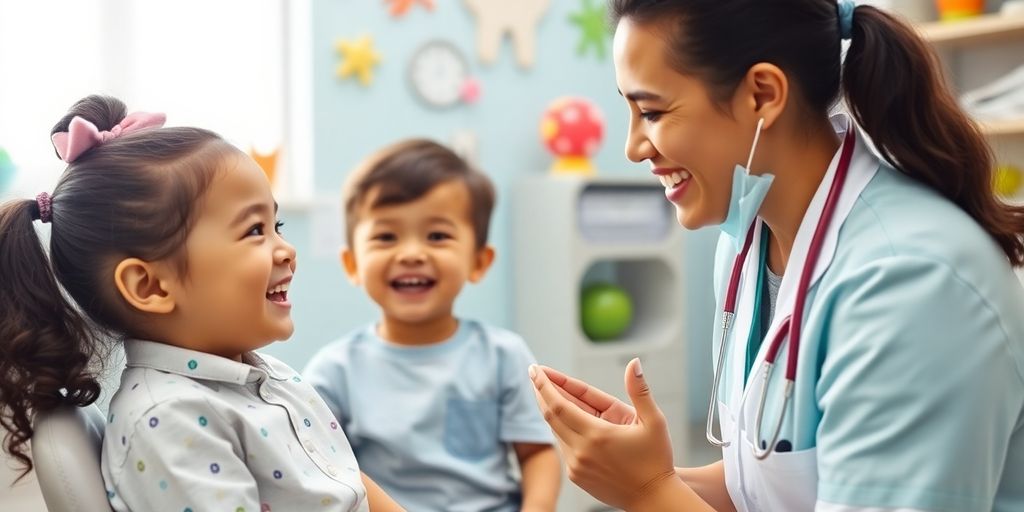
(637, 369)
(533, 371)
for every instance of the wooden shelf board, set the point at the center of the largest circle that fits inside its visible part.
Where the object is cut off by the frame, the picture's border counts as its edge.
(985, 28)
(1003, 127)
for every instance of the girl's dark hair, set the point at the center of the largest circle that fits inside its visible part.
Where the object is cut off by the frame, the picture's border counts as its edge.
(130, 197)
(892, 82)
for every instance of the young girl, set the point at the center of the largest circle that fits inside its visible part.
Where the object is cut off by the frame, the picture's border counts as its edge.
(166, 239)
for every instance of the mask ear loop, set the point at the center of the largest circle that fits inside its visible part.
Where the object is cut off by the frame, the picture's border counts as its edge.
(757, 136)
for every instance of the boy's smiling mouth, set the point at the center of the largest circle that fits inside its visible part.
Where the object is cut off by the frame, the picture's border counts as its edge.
(412, 283)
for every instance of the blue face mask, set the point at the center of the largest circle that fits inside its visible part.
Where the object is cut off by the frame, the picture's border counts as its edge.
(748, 192)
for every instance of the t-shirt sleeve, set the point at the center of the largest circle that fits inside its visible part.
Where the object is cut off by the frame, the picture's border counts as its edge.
(521, 419)
(326, 372)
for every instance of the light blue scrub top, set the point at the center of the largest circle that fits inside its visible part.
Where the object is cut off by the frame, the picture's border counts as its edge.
(910, 382)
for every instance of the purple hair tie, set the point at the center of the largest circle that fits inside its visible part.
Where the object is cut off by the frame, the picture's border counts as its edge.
(45, 204)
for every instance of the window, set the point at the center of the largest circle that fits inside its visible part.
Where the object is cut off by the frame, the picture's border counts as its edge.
(238, 67)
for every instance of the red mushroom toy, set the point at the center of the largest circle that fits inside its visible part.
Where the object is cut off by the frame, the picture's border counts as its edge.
(572, 129)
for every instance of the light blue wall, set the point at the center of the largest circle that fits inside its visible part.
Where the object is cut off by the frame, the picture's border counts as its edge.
(351, 121)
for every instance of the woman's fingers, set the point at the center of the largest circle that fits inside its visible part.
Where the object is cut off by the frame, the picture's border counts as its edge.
(591, 399)
(576, 401)
(568, 420)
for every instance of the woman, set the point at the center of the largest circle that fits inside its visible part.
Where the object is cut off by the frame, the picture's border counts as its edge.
(882, 288)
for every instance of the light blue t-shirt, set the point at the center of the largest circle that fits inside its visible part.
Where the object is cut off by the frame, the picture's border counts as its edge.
(433, 425)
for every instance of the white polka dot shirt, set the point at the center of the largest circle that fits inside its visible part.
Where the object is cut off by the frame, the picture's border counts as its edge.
(194, 432)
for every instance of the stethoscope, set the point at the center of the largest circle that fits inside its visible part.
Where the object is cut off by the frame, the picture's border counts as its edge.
(790, 325)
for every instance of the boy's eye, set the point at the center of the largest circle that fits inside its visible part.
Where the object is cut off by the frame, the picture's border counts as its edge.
(383, 237)
(438, 236)
(277, 226)
(255, 230)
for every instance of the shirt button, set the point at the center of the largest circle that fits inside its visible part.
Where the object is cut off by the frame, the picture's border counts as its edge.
(332, 470)
(265, 394)
(310, 447)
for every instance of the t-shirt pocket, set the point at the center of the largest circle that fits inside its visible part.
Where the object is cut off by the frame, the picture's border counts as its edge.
(471, 427)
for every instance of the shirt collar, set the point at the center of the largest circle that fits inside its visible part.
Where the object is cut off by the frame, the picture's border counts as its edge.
(197, 365)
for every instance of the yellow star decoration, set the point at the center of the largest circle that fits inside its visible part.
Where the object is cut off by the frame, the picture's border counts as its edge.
(360, 58)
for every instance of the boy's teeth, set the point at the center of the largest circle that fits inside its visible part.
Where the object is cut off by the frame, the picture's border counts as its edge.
(413, 281)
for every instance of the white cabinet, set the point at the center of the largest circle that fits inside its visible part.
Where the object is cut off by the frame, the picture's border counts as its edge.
(570, 231)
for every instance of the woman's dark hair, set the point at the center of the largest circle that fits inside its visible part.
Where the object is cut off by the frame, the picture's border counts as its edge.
(891, 80)
(133, 196)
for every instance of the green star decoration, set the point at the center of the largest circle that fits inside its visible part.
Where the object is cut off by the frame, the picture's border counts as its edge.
(593, 28)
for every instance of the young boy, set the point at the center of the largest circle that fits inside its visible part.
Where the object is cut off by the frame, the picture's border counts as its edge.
(432, 404)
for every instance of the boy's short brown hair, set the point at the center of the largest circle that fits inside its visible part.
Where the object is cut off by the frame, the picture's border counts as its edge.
(408, 170)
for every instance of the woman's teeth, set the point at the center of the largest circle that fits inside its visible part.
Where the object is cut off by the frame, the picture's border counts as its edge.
(671, 180)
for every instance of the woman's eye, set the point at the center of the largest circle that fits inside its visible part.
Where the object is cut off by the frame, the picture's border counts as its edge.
(650, 116)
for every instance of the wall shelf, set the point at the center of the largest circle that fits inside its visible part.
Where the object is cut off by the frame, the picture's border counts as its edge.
(981, 29)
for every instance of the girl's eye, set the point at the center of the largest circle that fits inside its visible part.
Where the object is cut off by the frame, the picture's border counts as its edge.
(438, 236)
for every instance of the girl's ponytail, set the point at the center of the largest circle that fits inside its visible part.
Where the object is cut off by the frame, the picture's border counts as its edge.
(46, 345)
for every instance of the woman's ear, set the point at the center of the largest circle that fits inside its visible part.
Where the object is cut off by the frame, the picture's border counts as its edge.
(144, 285)
(764, 92)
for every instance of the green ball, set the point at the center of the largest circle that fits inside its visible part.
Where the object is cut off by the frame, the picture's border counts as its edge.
(605, 311)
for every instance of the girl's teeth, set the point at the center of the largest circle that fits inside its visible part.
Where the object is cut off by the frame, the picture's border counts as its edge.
(278, 289)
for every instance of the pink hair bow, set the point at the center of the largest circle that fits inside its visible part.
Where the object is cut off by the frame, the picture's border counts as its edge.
(82, 135)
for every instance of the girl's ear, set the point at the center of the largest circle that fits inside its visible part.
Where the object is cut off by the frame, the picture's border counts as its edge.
(144, 285)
